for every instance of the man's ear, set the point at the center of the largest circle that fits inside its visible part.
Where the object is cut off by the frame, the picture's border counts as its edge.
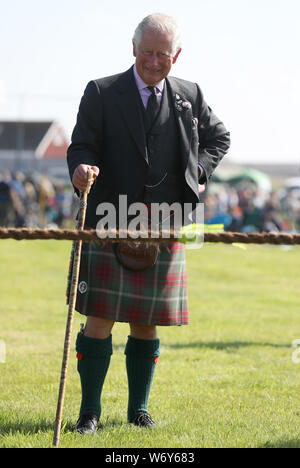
(176, 56)
(134, 49)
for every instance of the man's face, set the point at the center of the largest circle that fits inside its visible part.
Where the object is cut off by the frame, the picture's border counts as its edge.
(154, 57)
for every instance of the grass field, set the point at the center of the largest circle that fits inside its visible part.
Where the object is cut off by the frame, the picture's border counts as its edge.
(225, 380)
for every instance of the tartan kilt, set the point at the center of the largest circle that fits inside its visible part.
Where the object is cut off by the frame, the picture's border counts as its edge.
(157, 296)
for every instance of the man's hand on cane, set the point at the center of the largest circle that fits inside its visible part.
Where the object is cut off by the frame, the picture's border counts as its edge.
(80, 176)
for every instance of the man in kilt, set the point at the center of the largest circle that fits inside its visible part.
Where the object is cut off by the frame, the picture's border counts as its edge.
(152, 138)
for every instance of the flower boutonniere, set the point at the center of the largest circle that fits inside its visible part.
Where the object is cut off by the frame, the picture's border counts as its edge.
(180, 104)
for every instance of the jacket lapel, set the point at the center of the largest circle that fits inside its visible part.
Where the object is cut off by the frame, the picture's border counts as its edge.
(183, 115)
(129, 102)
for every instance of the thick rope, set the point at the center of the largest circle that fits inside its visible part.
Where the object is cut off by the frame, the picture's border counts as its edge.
(91, 235)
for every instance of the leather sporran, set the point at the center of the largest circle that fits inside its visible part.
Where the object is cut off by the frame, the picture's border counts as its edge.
(136, 256)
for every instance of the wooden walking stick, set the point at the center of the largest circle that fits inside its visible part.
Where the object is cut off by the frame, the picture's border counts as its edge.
(72, 303)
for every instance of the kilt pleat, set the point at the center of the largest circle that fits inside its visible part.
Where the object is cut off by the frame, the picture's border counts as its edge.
(157, 296)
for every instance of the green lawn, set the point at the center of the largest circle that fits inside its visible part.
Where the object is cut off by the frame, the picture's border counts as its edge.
(225, 380)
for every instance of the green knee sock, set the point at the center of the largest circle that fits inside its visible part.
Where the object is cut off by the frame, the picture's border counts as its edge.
(93, 356)
(141, 359)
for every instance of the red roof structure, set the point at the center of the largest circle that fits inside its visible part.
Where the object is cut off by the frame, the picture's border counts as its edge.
(45, 139)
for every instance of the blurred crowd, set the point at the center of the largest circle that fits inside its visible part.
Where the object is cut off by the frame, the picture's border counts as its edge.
(247, 208)
(36, 201)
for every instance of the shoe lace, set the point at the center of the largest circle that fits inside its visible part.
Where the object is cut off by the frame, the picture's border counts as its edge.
(144, 418)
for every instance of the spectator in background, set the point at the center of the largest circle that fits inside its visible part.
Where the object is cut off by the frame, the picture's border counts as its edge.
(271, 222)
(18, 198)
(252, 217)
(59, 204)
(31, 204)
(6, 203)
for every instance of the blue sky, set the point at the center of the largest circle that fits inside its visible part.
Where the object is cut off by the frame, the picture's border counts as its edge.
(244, 54)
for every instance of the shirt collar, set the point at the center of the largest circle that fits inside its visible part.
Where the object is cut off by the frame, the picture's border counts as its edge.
(142, 85)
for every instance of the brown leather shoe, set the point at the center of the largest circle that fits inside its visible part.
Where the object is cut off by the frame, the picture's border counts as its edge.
(87, 424)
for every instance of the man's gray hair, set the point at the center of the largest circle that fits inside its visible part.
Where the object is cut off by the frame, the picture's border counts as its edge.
(158, 22)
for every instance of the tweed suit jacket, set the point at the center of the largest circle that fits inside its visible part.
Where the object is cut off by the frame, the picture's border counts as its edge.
(109, 134)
